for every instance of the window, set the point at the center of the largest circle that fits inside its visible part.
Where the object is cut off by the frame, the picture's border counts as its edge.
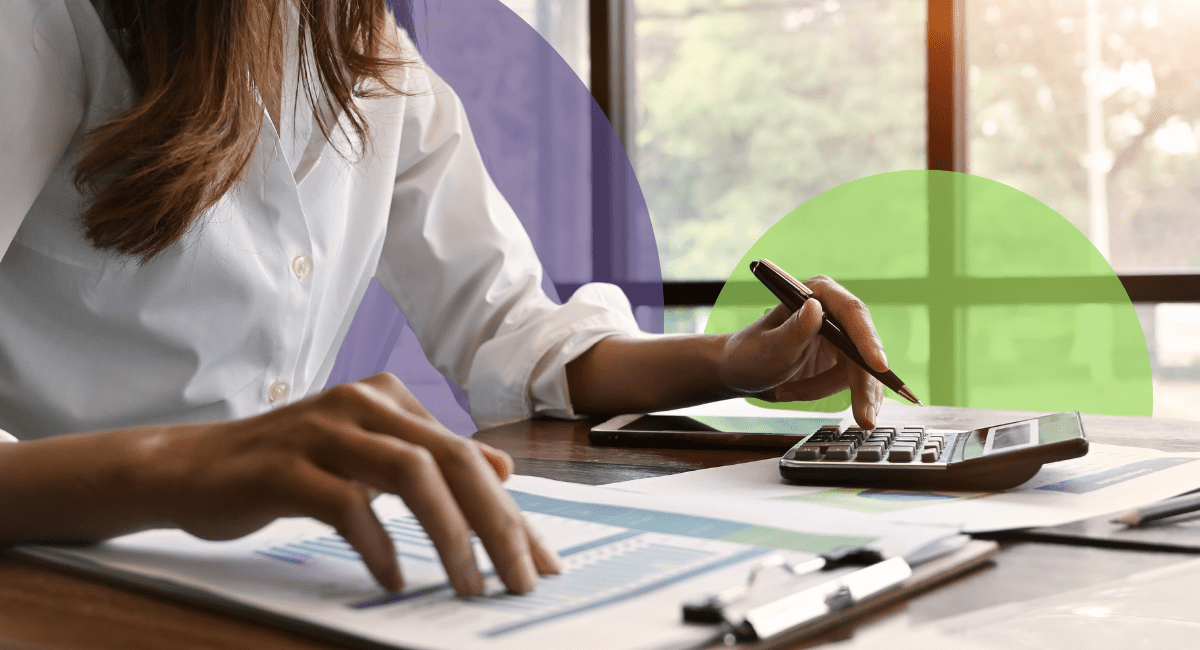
(1107, 93)
(737, 111)
(746, 109)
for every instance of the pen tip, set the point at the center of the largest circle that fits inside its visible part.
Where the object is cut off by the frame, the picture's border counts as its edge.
(1129, 518)
(907, 394)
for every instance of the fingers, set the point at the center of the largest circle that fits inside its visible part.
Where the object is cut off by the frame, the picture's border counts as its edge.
(500, 461)
(380, 404)
(490, 510)
(821, 385)
(854, 317)
(773, 318)
(784, 346)
(410, 472)
(866, 395)
(799, 329)
(318, 494)
(544, 558)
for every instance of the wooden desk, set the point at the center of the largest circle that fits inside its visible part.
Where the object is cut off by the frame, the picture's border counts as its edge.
(42, 608)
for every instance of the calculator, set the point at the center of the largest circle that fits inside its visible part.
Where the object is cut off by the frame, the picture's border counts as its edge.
(991, 458)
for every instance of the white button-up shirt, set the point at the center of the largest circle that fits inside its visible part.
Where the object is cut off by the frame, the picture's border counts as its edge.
(247, 312)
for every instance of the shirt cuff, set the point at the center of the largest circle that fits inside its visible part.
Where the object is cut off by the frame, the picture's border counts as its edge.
(524, 373)
(6, 436)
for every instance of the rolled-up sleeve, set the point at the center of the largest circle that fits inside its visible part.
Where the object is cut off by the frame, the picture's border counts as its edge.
(461, 267)
(41, 102)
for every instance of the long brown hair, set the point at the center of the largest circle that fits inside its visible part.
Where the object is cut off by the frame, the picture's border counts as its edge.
(198, 67)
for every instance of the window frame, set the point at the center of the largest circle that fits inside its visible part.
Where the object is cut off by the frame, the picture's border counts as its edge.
(948, 137)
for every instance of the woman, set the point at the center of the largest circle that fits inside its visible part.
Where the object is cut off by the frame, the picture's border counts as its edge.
(193, 197)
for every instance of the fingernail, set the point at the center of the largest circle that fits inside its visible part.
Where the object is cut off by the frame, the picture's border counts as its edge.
(545, 554)
(553, 559)
(884, 357)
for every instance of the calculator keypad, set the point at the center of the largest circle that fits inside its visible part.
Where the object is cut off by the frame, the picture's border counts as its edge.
(881, 445)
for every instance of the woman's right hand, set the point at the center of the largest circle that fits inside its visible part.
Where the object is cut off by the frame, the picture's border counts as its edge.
(319, 457)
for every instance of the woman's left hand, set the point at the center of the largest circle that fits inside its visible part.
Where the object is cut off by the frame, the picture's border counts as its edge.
(781, 357)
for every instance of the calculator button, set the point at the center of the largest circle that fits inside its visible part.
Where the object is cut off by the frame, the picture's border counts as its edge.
(930, 455)
(884, 440)
(869, 453)
(913, 440)
(851, 440)
(822, 436)
(839, 452)
(887, 431)
(900, 455)
(804, 452)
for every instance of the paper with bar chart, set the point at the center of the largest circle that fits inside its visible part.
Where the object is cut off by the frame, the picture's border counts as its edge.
(1108, 479)
(629, 562)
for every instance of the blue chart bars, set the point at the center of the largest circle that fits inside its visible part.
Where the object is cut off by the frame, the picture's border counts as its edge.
(614, 553)
(610, 574)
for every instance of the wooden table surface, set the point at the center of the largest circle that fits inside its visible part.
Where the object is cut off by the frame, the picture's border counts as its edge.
(44, 608)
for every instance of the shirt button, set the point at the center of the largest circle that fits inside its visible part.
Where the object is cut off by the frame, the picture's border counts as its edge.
(301, 266)
(277, 391)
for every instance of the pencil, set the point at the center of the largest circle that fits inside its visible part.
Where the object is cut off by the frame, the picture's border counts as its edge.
(1169, 508)
(793, 294)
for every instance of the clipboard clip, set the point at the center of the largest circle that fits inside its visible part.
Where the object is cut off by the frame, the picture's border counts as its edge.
(805, 606)
(712, 608)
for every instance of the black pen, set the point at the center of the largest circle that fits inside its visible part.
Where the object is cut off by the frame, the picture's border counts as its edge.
(793, 294)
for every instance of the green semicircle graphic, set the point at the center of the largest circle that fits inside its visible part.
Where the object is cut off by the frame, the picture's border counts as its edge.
(984, 296)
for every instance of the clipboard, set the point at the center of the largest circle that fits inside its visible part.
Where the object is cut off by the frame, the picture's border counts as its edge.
(826, 601)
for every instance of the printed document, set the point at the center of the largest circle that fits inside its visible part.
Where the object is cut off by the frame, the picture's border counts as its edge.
(1108, 479)
(630, 560)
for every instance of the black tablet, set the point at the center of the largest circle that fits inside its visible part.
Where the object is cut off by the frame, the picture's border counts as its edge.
(704, 431)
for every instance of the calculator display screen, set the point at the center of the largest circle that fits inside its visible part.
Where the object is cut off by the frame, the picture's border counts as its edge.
(1045, 430)
(1013, 435)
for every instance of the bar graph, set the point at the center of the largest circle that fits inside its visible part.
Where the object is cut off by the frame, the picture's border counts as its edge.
(609, 574)
(618, 553)
(406, 532)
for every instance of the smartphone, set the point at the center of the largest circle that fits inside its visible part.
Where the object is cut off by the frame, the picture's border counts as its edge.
(706, 432)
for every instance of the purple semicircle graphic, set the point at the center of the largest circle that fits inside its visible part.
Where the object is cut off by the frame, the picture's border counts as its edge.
(555, 158)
